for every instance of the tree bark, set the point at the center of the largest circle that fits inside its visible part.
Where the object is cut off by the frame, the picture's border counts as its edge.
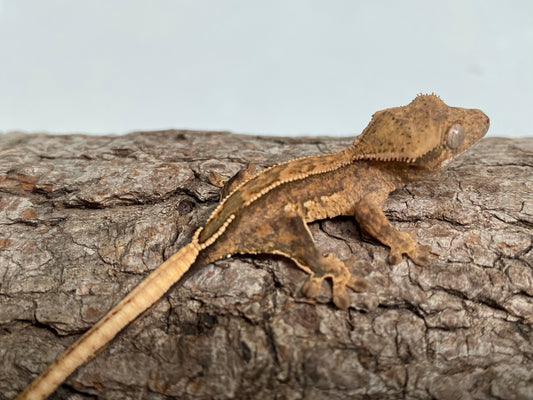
(83, 219)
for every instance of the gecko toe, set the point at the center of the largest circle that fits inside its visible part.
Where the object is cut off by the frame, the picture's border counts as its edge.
(340, 298)
(395, 257)
(357, 283)
(421, 255)
(312, 286)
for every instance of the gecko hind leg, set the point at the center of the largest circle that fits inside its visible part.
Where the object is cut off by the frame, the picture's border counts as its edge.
(297, 244)
(229, 185)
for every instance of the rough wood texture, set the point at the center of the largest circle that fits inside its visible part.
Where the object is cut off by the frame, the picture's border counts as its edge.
(83, 219)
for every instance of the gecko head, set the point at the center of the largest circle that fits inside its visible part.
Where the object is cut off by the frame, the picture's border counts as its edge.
(426, 133)
(456, 129)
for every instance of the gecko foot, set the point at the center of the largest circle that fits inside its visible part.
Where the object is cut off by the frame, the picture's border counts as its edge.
(405, 244)
(341, 278)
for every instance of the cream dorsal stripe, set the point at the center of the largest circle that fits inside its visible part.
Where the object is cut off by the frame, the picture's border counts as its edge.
(256, 187)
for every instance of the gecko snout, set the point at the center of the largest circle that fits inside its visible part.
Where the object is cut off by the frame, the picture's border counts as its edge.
(484, 121)
(479, 125)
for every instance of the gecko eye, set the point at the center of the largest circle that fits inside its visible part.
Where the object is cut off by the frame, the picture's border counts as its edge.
(455, 136)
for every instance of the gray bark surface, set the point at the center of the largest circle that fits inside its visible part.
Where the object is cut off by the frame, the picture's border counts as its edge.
(83, 219)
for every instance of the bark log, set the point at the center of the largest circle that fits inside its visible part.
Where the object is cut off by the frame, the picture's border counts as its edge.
(83, 219)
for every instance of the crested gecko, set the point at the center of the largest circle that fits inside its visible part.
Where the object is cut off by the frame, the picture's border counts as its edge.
(268, 212)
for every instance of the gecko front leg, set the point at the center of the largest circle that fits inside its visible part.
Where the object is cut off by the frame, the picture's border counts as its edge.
(372, 219)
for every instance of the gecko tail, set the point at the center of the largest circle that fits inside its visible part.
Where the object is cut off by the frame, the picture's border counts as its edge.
(151, 289)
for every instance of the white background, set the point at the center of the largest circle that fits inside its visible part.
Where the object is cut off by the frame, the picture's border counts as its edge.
(277, 67)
